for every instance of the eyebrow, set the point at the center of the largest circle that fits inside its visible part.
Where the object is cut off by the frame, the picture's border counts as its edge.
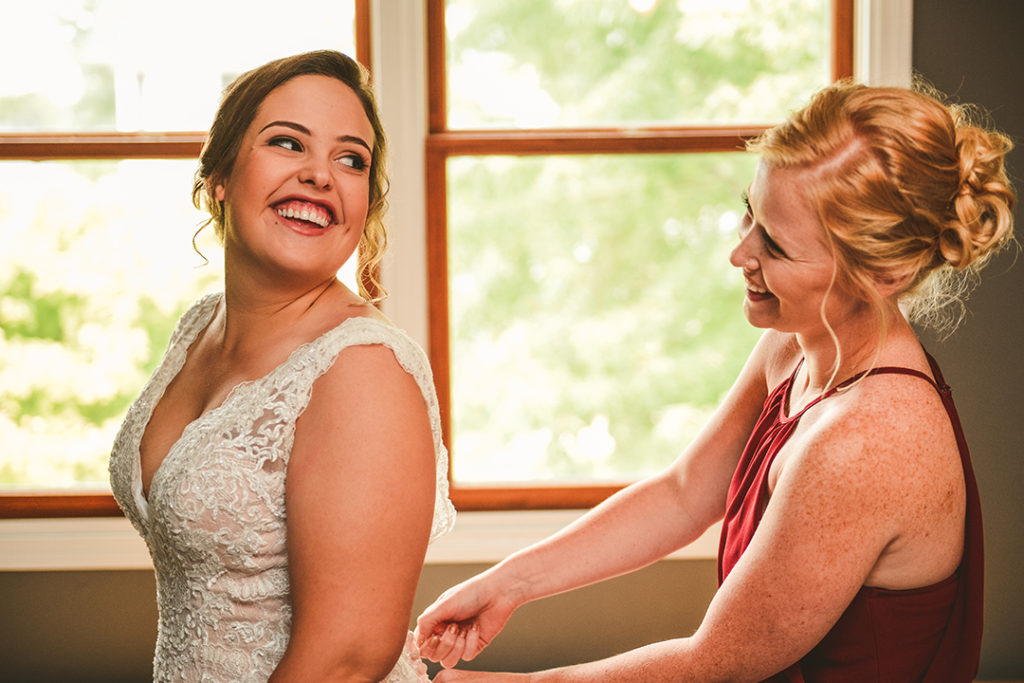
(302, 129)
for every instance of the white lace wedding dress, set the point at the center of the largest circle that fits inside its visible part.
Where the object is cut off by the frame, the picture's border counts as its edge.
(215, 518)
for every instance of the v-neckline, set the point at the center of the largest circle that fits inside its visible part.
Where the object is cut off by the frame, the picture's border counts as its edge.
(202, 322)
(142, 497)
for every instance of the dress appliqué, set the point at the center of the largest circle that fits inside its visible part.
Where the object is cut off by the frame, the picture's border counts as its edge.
(215, 518)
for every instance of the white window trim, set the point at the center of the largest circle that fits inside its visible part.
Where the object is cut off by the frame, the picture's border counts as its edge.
(883, 53)
(110, 543)
(882, 56)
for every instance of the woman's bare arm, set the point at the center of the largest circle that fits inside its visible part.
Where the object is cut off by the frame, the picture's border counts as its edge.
(360, 495)
(856, 484)
(632, 529)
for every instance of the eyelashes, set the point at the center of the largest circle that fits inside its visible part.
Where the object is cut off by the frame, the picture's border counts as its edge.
(352, 160)
(769, 244)
(285, 142)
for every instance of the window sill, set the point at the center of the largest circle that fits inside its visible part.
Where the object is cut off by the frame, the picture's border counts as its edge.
(110, 543)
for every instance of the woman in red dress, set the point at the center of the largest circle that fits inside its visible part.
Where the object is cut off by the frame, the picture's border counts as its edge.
(851, 545)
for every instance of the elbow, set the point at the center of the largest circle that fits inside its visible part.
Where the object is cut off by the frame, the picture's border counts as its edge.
(372, 663)
(349, 663)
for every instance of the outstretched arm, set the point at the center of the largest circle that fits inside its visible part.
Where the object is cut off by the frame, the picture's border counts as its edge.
(861, 493)
(360, 495)
(637, 526)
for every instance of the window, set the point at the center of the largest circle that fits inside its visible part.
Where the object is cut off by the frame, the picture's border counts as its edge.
(583, 193)
(97, 151)
(486, 161)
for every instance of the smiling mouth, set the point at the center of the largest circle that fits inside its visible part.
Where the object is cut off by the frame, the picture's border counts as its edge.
(757, 292)
(307, 212)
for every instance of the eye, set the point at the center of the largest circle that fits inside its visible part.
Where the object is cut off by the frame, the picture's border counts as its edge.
(748, 217)
(285, 142)
(770, 246)
(354, 161)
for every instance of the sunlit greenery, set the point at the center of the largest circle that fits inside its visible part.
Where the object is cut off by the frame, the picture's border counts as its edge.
(597, 62)
(96, 261)
(595, 319)
(92, 278)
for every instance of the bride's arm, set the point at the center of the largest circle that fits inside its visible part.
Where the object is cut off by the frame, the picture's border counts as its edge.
(360, 494)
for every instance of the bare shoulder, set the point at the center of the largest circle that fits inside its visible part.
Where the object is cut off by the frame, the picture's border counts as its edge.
(885, 454)
(889, 425)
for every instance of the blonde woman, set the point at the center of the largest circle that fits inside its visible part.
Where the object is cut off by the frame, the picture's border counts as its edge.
(851, 547)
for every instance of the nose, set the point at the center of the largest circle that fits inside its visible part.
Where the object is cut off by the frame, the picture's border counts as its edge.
(315, 172)
(743, 254)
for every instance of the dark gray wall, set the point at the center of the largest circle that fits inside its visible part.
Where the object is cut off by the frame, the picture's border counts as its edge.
(100, 626)
(973, 49)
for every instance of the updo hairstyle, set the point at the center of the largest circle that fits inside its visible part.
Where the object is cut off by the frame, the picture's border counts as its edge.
(238, 108)
(911, 192)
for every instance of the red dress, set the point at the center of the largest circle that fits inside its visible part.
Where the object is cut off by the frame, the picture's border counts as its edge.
(930, 634)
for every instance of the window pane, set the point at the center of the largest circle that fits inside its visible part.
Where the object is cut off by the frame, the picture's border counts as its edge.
(595, 319)
(90, 288)
(85, 65)
(537, 63)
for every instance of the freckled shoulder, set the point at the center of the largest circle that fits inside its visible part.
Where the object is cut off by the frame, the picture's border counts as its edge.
(888, 437)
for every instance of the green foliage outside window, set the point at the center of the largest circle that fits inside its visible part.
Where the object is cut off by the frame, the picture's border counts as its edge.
(595, 319)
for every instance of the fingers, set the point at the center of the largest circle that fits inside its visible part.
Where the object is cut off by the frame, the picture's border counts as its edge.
(452, 644)
(457, 637)
(473, 645)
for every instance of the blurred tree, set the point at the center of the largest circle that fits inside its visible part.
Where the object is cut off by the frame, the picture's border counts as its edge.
(595, 318)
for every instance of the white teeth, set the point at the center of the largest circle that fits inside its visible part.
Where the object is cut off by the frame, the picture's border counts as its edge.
(314, 215)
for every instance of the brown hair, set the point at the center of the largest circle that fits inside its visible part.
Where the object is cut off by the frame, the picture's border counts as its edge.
(237, 110)
(908, 188)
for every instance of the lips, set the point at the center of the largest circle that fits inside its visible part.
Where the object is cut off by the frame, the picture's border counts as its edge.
(318, 215)
(757, 293)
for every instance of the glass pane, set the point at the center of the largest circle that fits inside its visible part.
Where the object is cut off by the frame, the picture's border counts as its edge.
(85, 65)
(90, 289)
(578, 63)
(595, 319)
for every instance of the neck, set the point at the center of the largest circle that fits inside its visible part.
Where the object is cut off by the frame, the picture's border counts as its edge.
(857, 345)
(256, 314)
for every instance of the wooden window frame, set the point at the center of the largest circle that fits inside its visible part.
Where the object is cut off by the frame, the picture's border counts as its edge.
(440, 144)
(39, 503)
(443, 143)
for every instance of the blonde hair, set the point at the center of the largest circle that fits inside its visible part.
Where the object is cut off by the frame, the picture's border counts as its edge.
(237, 110)
(909, 189)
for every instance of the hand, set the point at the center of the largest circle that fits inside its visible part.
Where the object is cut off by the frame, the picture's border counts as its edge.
(463, 621)
(454, 676)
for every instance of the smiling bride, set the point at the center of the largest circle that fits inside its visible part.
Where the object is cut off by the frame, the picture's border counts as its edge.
(284, 463)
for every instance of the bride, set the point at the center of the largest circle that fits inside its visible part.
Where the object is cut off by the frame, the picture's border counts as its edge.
(284, 463)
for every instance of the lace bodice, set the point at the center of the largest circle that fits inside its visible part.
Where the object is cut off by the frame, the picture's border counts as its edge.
(215, 517)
